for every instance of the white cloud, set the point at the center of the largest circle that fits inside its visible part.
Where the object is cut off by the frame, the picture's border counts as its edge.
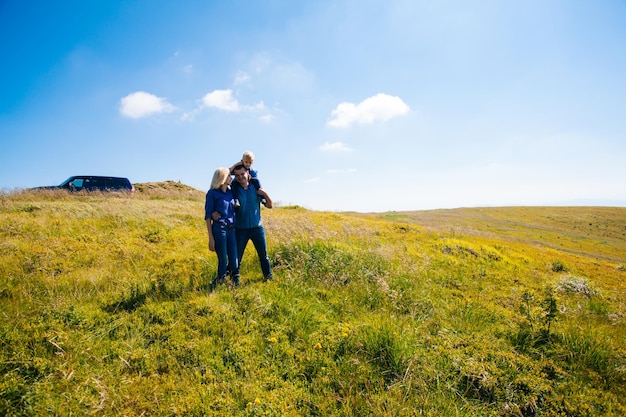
(141, 104)
(378, 108)
(222, 99)
(241, 77)
(312, 180)
(335, 147)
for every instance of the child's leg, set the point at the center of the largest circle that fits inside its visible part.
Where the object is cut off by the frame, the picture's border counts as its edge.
(257, 185)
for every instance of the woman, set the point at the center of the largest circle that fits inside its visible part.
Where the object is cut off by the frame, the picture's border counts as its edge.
(222, 228)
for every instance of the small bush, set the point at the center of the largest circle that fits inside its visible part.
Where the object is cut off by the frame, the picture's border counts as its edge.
(575, 285)
(558, 266)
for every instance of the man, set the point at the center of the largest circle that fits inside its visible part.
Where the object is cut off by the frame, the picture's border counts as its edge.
(248, 224)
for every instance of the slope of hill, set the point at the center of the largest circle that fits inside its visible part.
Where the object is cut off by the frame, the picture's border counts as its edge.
(105, 310)
(166, 188)
(591, 231)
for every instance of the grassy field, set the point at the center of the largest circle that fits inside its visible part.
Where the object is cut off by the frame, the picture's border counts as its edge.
(105, 310)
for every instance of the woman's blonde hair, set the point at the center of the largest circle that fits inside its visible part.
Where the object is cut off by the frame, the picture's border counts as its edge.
(219, 177)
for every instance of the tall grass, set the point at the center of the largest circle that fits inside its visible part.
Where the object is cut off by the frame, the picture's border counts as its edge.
(104, 310)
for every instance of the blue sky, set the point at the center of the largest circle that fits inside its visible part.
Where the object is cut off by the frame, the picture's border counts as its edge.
(348, 105)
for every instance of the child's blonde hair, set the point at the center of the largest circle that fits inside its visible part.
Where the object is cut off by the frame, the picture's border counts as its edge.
(247, 155)
(219, 177)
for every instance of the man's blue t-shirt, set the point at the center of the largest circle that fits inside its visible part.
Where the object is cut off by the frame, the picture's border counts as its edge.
(223, 203)
(249, 214)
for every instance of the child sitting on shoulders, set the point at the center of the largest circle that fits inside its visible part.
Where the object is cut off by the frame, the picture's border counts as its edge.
(247, 160)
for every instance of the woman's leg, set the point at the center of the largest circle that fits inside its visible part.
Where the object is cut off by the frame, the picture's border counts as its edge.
(219, 235)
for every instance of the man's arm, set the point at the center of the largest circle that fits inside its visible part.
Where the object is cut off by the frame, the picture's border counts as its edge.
(266, 196)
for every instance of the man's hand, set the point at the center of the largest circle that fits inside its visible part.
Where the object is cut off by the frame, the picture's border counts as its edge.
(215, 215)
(268, 201)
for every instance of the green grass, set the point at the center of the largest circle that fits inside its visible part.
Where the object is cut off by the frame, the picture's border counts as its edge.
(104, 310)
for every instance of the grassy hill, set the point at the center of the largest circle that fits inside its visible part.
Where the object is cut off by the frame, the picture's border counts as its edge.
(105, 310)
(169, 189)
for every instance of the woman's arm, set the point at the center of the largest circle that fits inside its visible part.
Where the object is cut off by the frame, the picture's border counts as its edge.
(211, 239)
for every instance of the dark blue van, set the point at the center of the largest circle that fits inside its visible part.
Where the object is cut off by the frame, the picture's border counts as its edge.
(94, 183)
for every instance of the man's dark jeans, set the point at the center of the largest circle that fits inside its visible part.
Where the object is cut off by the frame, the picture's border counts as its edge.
(257, 236)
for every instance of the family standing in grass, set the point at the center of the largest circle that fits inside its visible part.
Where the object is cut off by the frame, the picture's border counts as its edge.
(233, 216)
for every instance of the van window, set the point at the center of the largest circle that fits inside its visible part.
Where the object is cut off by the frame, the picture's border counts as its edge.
(95, 183)
(77, 183)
